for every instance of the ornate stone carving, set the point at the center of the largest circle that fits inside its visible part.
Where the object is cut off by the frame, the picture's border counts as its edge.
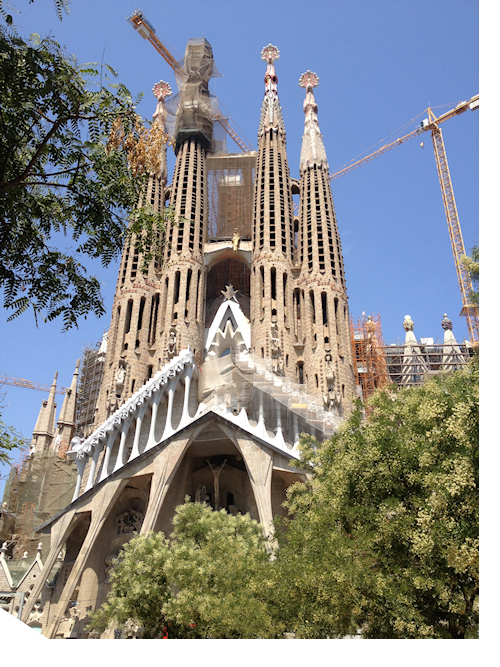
(236, 240)
(129, 522)
(216, 471)
(172, 344)
(446, 323)
(408, 323)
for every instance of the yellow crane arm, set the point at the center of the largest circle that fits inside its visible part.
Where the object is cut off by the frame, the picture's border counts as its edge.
(473, 103)
(27, 384)
(146, 31)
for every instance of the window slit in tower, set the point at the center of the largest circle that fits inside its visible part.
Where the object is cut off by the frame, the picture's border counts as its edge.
(128, 318)
(273, 291)
(188, 287)
(284, 296)
(262, 292)
(141, 312)
(313, 316)
(196, 313)
(324, 308)
(175, 296)
(153, 318)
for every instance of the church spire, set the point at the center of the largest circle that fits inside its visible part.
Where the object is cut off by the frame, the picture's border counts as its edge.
(43, 432)
(66, 424)
(161, 90)
(313, 150)
(271, 117)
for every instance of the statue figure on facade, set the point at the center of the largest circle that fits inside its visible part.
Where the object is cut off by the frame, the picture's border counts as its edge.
(275, 348)
(57, 443)
(236, 240)
(172, 344)
(201, 493)
(216, 471)
(446, 323)
(120, 377)
(408, 323)
(332, 399)
(329, 367)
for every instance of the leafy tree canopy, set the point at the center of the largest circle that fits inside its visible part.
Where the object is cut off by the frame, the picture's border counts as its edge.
(62, 182)
(385, 535)
(208, 580)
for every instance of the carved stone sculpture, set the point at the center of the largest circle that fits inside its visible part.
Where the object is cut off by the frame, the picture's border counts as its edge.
(172, 344)
(408, 323)
(201, 493)
(216, 471)
(446, 323)
(129, 522)
(236, 240)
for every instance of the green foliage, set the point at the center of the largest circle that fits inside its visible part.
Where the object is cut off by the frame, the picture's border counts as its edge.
(139, 586)
(60, 186)
(209, 580)
(384, 535)
(471, 263)
(10, 439)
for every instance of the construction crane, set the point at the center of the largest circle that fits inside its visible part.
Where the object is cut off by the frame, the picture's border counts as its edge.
(27, 384)
(147, 31)
(469, 309)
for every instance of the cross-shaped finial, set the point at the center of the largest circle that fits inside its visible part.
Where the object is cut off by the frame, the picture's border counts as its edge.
(162, 89)
(309, 80)
(270, 53)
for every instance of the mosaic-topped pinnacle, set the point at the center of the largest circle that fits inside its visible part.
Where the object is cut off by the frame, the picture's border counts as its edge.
(408, 324)
(161, 90)
(309, 80)
(270, 53)
(446, 323)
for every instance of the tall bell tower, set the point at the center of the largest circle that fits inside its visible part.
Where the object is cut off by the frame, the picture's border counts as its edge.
(272, 233)
(327, 342)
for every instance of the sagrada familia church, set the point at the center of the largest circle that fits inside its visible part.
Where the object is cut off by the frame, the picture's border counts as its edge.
(218, 357)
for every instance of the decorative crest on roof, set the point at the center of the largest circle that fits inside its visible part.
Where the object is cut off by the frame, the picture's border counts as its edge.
(271, 115)
(408, 324)
(270, 53)
(446, 323)
(309, 79)
(313, 149)
(161, 90)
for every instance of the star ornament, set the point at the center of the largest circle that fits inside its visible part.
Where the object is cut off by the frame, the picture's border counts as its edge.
(309, 80)
(161, 90)
(270, 53)
(230, 292)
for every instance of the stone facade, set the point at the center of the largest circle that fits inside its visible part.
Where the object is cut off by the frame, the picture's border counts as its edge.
(218, 357)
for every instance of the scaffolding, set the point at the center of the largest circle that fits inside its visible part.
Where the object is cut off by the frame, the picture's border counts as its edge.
(89, 385)
(38, 487)
(230, 195)
(434, 358)
(370, 367)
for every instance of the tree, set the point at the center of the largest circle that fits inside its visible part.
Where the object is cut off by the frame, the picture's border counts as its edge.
(471, 263)
(62, 181)
(209, 580)
(384, 536)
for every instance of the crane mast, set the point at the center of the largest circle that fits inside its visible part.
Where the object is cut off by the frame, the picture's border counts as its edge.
(27, 384)
(469, 309)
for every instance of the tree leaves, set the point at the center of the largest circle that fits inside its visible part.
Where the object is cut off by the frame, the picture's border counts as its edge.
(56, 177)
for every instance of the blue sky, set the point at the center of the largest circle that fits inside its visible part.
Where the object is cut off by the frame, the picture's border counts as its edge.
(380, 64)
